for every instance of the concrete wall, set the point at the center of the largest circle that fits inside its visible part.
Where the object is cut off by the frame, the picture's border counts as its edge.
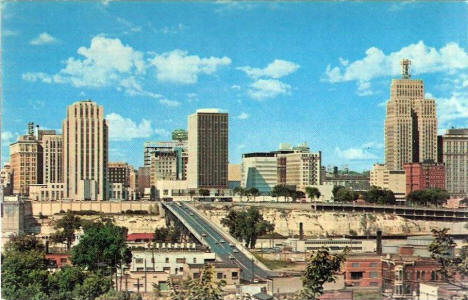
(48, 208)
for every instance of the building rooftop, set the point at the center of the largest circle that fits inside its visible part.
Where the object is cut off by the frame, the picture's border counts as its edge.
(209, 110)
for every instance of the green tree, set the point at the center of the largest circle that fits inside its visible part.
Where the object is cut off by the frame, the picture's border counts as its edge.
(312, 192)
(442, 250)
(62, 283)
(335, 190)
(94, 285)
(426, 197)
(102, 246)
(24, 269)
(167, 234)
(206, 287)
(240, 191)
(345, 195)
(379, 196)
(253, 191)
(321, 268)
(247, 225)
(65, 229)
(282, 190)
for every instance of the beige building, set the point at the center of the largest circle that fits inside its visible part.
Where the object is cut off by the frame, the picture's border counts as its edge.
(303, 169)
(85, 140)
(46, 191)
(26, 162)
(393, 180)
(6, 179)
(208, 149)
(410, 124)
(455, 157)
(52, 147)
(163, 166)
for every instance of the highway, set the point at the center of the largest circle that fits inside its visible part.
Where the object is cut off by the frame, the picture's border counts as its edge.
(217, 242)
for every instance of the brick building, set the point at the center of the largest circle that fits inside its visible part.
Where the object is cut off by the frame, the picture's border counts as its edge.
(363, 270)
(420, 176)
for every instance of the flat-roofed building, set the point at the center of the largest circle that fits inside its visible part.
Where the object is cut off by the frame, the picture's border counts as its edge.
(393, 180)
(52, 145)
(208, 149)
(26, 162)
(259, 170)
(420, 176)
(455, 157)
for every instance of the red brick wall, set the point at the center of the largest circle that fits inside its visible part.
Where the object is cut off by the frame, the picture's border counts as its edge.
(366, 265)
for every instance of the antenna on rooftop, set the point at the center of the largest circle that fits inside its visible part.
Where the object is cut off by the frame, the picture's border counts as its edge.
(405, 68)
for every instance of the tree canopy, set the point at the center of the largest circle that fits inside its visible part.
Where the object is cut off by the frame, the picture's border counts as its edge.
(247, 225)
(426, 197)
(442, 250)
(66, 228)
(312, 192)
(101, 247)
(206, 287)
(321, 268)
(167, 234)
(379, 196)
(343, 194)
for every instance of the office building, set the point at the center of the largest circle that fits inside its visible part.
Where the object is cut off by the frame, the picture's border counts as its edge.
(303, 169)
(410, 124)
(234, 175)
(6, 179)
(455, 157)
(259, 170)
(26, 162)
(168, 161)
(208, 149)
(393, 180)
(85, 141)
(151, 147)
(52, 147)
(420, 176)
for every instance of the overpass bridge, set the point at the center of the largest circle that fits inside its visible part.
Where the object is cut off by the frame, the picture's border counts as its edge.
(226, 247)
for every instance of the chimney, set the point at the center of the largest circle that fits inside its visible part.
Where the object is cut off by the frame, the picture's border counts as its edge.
(379, 242)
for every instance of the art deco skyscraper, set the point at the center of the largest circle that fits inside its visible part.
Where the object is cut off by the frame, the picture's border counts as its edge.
(208, 149)
(85, 149)
(410, 124)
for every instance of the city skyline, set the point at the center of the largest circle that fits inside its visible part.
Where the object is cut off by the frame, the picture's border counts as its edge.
(153, 65)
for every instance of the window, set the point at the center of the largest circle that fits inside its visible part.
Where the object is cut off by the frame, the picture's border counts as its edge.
(196, 275)
(219, 275)
(234, 275)
(356, 275)
(373, 274)
(373, 283)
(63, 260)
(167, 260)
(373, 264)
(180, 260)
(355, 265)
(139, 260)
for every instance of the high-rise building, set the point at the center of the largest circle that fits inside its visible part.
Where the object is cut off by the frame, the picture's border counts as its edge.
(151, 147)
(410, 124)
(26, 161)
(420, 176)
(85, 148)
(208, 149)
(303, 169)
(455, 157)
(119, 172)
(52, 156)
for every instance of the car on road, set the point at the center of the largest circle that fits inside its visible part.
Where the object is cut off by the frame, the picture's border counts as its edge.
(235, 251)
(232, 245)
(231, 257)
(191, 214)
(221, 241)
(203, 234)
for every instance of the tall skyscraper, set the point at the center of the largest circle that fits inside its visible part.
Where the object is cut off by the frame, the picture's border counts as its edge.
(455, 157)
(52, 156)
(26, 161)
(208, 149)
(410, 124)
(85, 143)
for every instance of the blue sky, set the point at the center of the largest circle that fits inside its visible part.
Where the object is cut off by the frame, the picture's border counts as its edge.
(285, 72)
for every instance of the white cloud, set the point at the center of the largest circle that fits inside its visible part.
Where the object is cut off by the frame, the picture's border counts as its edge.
(162, 132)
(235, 87)
(243, 116)
(178, 67)
(130, 27)
(7, 32)
(355, 154)
(107, 62)
(124, 129)
(7, 137)
(276, 69)
(172, 29)
(452, 108)
(268, 88)
(372, 145)
(170, 103)
(42, 39)
(364, 88)
(376, 63)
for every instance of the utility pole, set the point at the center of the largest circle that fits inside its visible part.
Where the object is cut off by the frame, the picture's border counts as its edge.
(138, 285)
(145, 275)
